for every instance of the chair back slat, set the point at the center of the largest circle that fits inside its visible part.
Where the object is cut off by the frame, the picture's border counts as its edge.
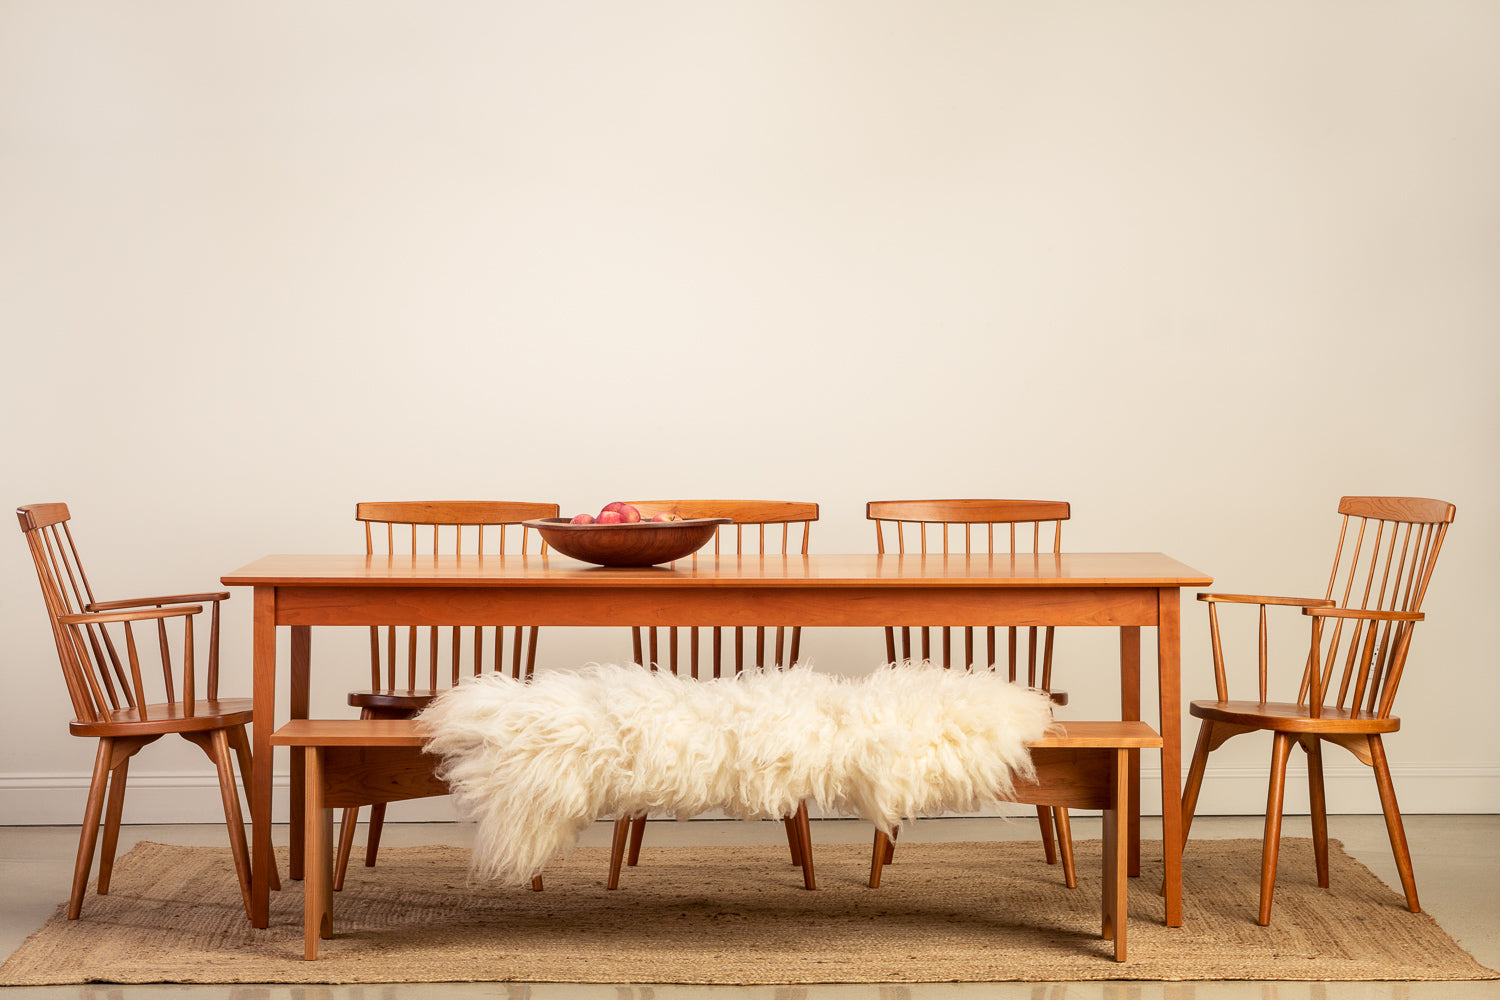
(99, 680)
(1025, 527)
(1383, 562)
(758, 528)
(425, 657)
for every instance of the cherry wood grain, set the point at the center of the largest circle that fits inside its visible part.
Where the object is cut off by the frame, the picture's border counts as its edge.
(349, 733)
(795, 514)
(1130, 734)
(1115, 570)
(394, 517)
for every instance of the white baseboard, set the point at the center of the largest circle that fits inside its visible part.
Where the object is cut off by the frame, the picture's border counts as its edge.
(157, 797)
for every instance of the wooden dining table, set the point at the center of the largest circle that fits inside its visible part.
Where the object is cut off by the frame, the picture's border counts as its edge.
(1127, 591)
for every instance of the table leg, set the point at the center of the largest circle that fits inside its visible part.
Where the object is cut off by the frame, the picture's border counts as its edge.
(298, 698)
(1169, 684)
(1130, 711)
(262, 723)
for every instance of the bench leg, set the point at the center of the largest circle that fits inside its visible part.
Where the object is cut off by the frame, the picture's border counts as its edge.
(1117, 854)
(317, 918)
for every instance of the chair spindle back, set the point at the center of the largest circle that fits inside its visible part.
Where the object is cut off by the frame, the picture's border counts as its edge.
(99, 681)
(414, 657)
(1388, 547)
(1361, 631)
(760, 528)
(974, 527)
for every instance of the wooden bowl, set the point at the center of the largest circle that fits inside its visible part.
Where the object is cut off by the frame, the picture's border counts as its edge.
(645, 543)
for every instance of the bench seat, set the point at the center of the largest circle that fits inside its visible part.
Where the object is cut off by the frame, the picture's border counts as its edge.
(359, 761)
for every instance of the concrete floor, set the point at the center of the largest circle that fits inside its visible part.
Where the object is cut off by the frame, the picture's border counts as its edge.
(1457, 860)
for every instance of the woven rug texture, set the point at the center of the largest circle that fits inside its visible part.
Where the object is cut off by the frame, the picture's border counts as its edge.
(955, 912)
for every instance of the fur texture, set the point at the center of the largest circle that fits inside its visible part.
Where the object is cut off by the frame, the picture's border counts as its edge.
(533, 763)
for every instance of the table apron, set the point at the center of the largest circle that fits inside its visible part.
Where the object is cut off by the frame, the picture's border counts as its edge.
(596, 605)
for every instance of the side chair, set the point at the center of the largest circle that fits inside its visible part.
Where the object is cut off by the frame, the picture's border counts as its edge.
(759, 528)
(125, 703)
(410, 665)
(986, 528)
(1361, 631)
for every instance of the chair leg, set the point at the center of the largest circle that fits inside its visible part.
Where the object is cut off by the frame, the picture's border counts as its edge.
(1281, 749)
(89, 835)
(1194, 782)
(617, 851)
(215, 744)
(346, 846)
(1318, 801)
(637, 834)
(1393, 824)
(794, 838)
(804, 837)
(351, 816)
(372, 842)
(1044, 821)
(241, 743)
(233, 818)
(1065, 845)
(112, 812)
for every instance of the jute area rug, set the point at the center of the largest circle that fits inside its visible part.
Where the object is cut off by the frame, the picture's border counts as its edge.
(957, 912)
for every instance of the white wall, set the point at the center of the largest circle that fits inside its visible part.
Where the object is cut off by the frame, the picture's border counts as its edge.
(1198, 268)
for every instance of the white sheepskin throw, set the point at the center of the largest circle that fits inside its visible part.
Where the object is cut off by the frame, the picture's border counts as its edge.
(533, 763)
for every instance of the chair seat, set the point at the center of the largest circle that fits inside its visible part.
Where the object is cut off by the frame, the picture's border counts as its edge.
(405, 700)
(1290, 717)
(169, 718)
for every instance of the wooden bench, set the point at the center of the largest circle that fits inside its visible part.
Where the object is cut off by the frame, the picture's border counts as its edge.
(360, 761)
(349, 762)
(1084, 767)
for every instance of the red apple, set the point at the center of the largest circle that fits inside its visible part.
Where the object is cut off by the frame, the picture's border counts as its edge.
(583, 519)
(611, 517)
(629, 514)
(612, 506)
(664, 516)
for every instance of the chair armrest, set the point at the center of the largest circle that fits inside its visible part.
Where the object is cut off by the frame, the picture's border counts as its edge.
(136, 602)
(1294, 602)
(1262, 601)
(145, 614)
(1374, 616)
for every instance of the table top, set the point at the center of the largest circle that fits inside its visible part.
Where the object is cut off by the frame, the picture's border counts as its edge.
(1074, 569)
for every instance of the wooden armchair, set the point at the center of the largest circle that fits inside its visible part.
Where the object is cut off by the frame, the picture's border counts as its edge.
(1360, 636)
(410, 665)
(987, 528)
(760, 528)
(126, 704)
